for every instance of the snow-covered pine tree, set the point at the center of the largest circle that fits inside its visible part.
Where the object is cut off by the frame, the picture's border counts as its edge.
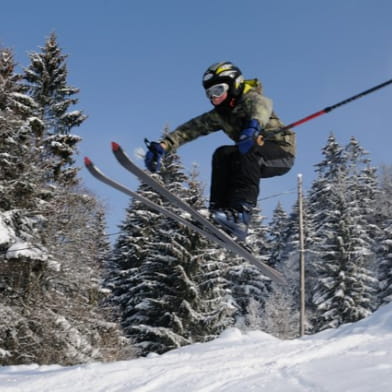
(46, 77)
(344, 289)
(384, 196)
(384, 239)
(49, 315)
(162, 274)
(279, 316)
(276, 236)
(48, 86)
(22, 254)
(365, 190)
(128, 292)
(19, 174)
(323, 210)
(13, 97)
(74, 230)
(364, 186)
(20, 180)
(249, 287)
(384, 253)
(214, 310)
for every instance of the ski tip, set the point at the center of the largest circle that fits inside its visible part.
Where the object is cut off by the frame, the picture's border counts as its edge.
(115, 146)
(87, 161)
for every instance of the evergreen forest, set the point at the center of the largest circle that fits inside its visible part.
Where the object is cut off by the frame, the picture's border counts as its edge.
(69, 296)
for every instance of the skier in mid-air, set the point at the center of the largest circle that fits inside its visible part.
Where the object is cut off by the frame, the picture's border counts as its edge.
(246, 116)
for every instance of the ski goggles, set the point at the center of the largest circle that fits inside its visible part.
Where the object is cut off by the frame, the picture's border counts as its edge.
(217, 90)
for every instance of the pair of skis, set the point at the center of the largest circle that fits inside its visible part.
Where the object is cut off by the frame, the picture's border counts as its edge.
(198, 222)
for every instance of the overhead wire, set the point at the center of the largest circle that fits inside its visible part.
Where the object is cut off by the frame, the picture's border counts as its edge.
(289, 191)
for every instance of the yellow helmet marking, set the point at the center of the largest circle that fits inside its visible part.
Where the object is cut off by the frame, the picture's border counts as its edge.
(222, 68)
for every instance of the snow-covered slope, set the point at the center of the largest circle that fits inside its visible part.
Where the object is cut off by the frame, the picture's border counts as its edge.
(355, 357)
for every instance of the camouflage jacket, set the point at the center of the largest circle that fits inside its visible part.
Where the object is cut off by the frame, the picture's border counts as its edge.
(252, 105)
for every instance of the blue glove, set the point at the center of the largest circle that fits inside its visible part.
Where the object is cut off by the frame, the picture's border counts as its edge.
(248, 136)
(154, 156)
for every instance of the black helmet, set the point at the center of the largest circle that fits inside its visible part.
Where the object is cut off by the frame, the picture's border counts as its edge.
(225, 72)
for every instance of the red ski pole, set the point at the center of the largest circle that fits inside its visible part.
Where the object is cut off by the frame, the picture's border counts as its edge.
(330, 108)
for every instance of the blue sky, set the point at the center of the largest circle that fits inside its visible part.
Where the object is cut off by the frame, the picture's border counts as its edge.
(139, 65)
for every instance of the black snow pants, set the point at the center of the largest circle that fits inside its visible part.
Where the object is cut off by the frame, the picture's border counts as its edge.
(235, 178)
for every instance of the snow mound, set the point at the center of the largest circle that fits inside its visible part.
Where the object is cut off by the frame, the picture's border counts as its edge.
(355, 357)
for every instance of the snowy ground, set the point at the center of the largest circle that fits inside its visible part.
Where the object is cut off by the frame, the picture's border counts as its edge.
(356, 357)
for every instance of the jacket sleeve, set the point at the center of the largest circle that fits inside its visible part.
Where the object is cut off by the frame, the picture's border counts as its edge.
(198, 126)
(260, 108)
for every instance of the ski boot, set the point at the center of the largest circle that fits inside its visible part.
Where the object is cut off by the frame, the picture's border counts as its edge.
(234, 220)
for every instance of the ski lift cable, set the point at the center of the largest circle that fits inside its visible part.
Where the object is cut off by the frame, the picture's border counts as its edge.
(273, 196)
